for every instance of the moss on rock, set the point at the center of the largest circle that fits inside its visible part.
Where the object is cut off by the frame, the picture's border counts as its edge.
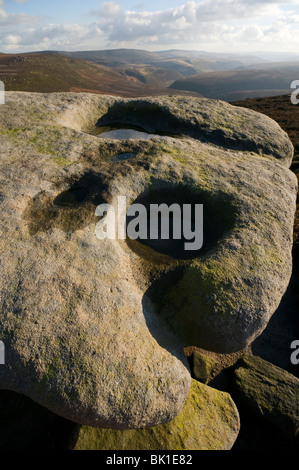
(209, 420)
(202, 366)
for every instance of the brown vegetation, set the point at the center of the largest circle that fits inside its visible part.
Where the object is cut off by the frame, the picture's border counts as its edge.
(47, 73)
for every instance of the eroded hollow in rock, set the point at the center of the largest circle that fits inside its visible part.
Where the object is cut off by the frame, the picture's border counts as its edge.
(121, 132)
(71, 209)
(141, 120)
(71, 197)
(163, 119)
(218, 218)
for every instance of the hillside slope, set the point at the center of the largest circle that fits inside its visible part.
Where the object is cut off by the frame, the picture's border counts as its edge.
(186, 63)
(242, 84)
(49, 72)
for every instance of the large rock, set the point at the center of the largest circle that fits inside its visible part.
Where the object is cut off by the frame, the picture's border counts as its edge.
(209, 420)
(95, 330)
(268, 392)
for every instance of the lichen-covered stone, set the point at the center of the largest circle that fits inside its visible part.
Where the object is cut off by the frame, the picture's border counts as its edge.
(209, 420)
(95, 330)
(269, 392)
(202, 366)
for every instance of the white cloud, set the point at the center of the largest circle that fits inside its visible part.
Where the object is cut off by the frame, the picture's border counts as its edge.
(185, 23)
(108, 10)
(213, 24)
(52, 36)
(12, 39)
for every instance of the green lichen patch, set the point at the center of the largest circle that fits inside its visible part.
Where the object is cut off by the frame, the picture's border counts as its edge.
(202, 366)
(208, 421)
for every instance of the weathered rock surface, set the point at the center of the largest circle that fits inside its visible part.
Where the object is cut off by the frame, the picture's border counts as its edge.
(95, 330)
(201, 366)
(209, 420)
(268, 392)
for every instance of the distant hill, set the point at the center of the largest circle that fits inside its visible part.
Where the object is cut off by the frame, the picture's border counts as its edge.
(184, 62)
(49, 72)
(134, 72)
(249, 82)
(287, 65)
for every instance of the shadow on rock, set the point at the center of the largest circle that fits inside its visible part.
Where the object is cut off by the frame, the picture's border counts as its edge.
(24, 425)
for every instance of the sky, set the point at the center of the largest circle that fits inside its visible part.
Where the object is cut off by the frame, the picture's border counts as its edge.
(209, 25)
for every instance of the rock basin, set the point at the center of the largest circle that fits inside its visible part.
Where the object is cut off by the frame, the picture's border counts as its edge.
(95, 330)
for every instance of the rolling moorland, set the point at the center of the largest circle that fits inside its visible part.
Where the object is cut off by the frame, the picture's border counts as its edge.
(120, 72)
(136, 73)
(48, 73)
(248, 82)
(185, 63)
(51, 72)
